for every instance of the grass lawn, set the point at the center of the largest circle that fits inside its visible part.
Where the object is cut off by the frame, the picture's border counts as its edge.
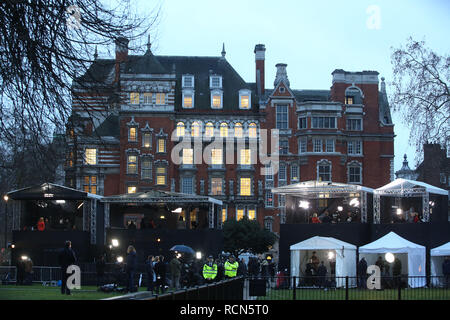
(39, 292)
(355, 294)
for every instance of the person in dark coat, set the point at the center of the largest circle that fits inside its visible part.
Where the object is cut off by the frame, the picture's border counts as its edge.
(131, 267)
(396, 272)
(362, 273)
(20, 272)
(326, 218)
(322, 274)
(150, 273)
(446, 271)
(160, 270)
(100, 266)
(66, 257)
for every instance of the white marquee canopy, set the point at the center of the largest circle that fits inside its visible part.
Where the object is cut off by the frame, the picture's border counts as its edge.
(437, 256)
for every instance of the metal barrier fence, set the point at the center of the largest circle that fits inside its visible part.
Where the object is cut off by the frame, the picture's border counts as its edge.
(349, 288)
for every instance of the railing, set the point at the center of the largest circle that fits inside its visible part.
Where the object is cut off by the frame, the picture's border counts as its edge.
(349, 288)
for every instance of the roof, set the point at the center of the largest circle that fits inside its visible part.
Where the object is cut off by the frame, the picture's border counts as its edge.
(443, 250)
(50, 191)
(311, 187)
(109, 127)
(160, 196)
(391, 242)
(403, 186)
(322, 243)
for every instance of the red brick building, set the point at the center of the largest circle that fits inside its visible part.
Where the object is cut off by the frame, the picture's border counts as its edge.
(193, 125)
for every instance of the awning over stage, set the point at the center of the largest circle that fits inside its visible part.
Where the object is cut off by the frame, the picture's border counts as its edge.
(405, 187)
(393, 243)
(314, 188)
(344, 255)
(50, 191)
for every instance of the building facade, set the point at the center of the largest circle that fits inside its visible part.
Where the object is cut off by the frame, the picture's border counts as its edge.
(192, 125)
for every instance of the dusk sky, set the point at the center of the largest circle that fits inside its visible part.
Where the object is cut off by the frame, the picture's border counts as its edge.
(312, 37)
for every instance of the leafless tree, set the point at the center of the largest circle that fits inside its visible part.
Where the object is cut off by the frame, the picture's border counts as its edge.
(421, 93)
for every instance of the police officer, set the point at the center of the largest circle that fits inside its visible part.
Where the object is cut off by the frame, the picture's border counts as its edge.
(209, 270)
(231, 267)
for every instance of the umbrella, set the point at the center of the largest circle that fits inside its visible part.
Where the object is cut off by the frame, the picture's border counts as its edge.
(182, 248)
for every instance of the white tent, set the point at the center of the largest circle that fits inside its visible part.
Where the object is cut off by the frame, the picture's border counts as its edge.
(343, 253)
(411, 255)
(404, 184)
(437, 256)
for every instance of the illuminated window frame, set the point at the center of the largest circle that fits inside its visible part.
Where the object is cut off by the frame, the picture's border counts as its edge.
(161, 98)
(252, 130)
(90, 184)
(161, 175)
(181, 129)
(245, 186)
(90, 156)
(238, 130)
(132, 134)
(134, 98)
(132, 164)
(209, 129)
(188, 156)
(217, 157)
(224, 130)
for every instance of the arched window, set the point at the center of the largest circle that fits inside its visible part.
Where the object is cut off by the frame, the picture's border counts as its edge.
(224, 130)
(195, 129)
(180, 129)
(238, 131)
(209, 129)
(252, 130)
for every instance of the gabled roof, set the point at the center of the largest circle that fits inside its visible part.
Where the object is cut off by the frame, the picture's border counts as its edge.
(443, 250)
(322, 243)
(402, 185)
(391, 242)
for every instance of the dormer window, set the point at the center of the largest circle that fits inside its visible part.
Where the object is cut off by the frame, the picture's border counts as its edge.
(215, 82)
(349, 100)
(160, 98)
(216, 99)
(244, 99)
(188, 81)
(188, 99)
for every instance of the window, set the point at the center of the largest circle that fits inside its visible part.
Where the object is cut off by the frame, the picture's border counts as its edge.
(349, 100)
(195, 129)
(268, 223)
(160, 98)
(282, 174)
(329, 145)
(281, 201)
(187, 185)
(147, 140)
(188, 156)
(216, 100)
(224, 214)
(282, 117)
(134, 97)
(216, 157)
(245, 158)
(216, 186)
(284, 146)
(131, 189)
(246, 189)
(252, 130)
(90, 184)
(215, 82)
(239, 213)
(269, 176)
(354, 174)
(294, 172)
(302, 144)
(354, 124)
(223, 130)
(324, 171)
(132, 134)
(244, 99)
(324, 122)
(354, 147)
(302, 123)
(146, 168)
(180, 129)
(251, 214)
(188, 99)
(91, 156)
(269, 199)
(161, 175)
(317, 145)
(161, 145)
(132, 164)
(443, 178)
(188, 81)
(238, 130)
(148, 98)
(209, 129)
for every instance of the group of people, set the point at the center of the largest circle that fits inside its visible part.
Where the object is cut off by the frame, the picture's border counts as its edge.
(336, 217)
(44, 224)
(409, 216)
(387, 280)
(316, 272)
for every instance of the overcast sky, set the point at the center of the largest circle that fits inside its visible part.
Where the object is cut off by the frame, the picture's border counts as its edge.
(312, 37)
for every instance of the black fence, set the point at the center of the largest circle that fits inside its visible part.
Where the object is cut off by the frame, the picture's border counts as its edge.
(349, 288)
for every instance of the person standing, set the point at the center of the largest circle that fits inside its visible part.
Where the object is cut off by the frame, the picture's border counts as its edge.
(322, 274)
(66, 257)
(175, 272)
(231, 267)
(20, 272)
(150, 273)
(210, 270)
(41, 224)
(446, 271)
(131, 267)
(396, 272)
(160, 270)
(362, 273)
(100, 266)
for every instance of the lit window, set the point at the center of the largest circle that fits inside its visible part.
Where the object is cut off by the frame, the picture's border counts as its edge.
(246, 189)
(132, 134)
(329, 145)
(188, 156)
(134, 97)
(91, 156)
(245, 102)
(209, 129)
(161, 145)
(317, 145)
(90, 184)
(217, 101)
(223, 130)
(160, 98)
(349, 100)
(146, 168)
(180, 129)
(131, 189)
(216, 157)
(251, 214)
(239, 214)
(187, 100)
(132, 164)
(282, 117)
(216, 186)
(224, 214)
(252, 130)
(161, 175)
(294, 172)
(147, 140)
(195, 129)
(245, 157)
(148, 98)
(238, 131)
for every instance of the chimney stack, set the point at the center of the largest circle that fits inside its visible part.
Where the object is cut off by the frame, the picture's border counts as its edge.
(121, 54)
(260, 56)
(281, 74)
